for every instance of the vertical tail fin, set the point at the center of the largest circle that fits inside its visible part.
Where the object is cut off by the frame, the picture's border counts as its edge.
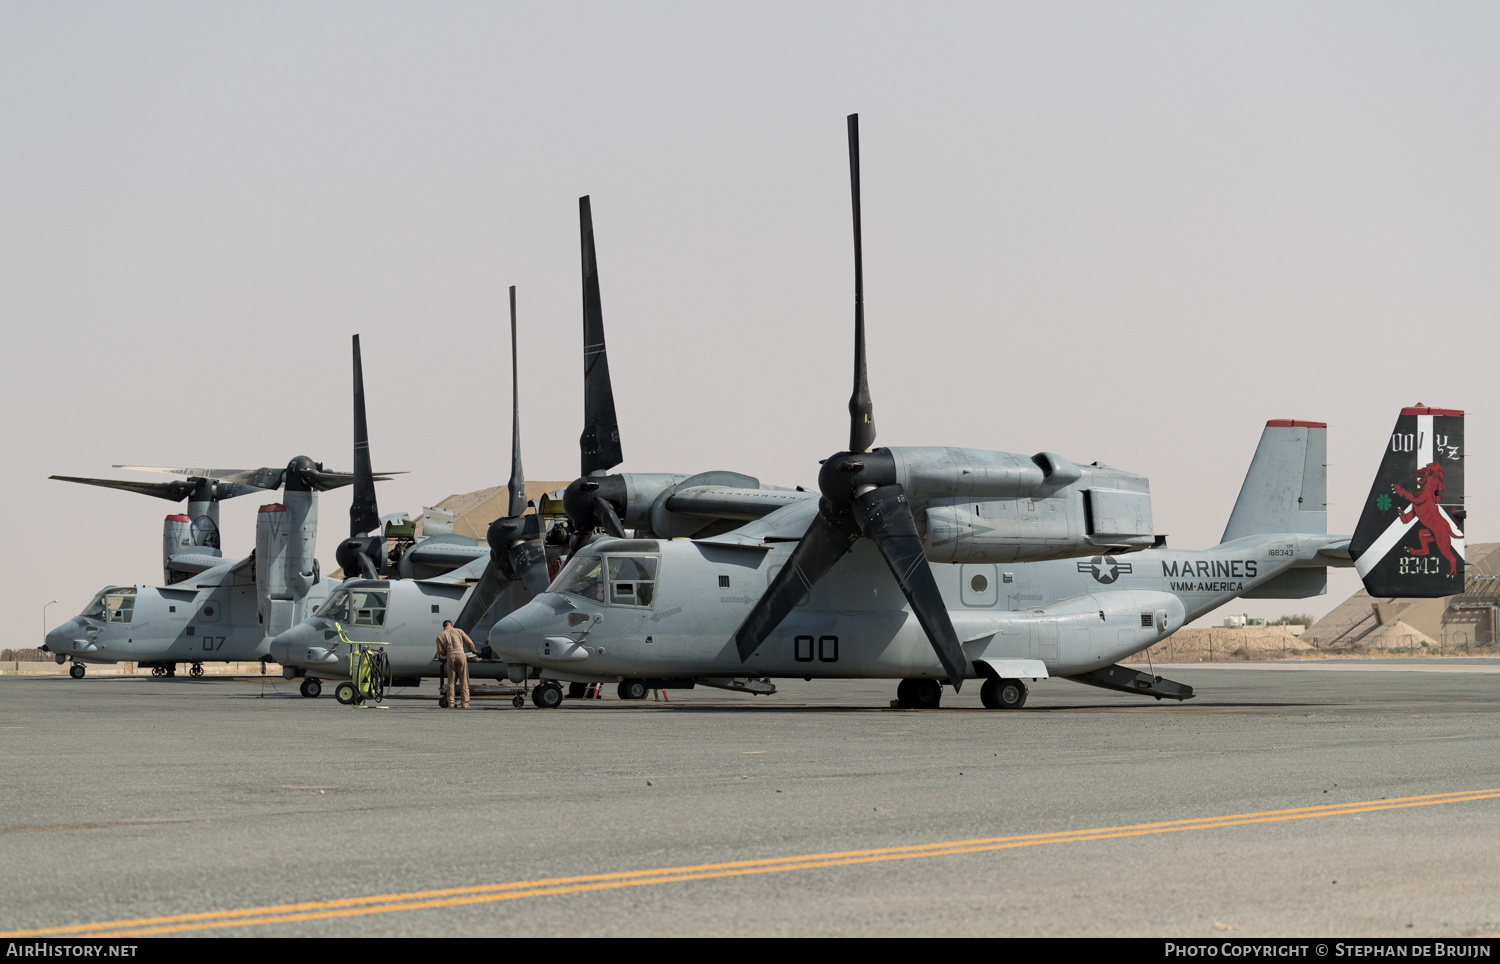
(1286, 489)
(1409, 541)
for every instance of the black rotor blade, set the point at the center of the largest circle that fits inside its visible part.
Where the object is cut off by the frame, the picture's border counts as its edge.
(861, 407)
(266, 477)
(885, 517)
(364, 513)
(605, 513)
(171, 491)
(599, 446)
(529, 562)
(827, 540)
(367, 566)
(486, 592)
(517, 484)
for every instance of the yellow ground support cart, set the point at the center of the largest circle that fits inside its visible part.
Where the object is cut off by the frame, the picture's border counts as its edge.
(369, 672)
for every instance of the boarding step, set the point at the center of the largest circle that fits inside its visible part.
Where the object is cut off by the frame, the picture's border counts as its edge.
(1117, 677)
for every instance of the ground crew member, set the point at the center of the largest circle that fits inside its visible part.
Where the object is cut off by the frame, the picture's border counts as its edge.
(451, 645)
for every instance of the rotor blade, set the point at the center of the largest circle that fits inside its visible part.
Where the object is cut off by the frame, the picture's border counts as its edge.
(261, 478)
(861, 407)
(482, 599)
(367, 567)
(605, 513)
(364, 513)
(517, 484)
(885, 517)
(827, 540)
(529, 562)
(599, 446)
(171, 491)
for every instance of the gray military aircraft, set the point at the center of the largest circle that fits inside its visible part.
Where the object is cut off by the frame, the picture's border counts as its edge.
(859, 596)
(224, 613)
(645, 612)
(213, 609)
(407, 617)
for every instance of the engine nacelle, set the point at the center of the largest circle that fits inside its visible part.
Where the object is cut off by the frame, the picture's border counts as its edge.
(285, 569)
(176, 535)
(979, 506)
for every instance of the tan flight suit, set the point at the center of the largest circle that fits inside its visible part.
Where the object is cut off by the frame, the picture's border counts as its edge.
(451, 644)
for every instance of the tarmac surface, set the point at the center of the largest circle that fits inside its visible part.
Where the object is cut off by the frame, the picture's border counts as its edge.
(1332, 799)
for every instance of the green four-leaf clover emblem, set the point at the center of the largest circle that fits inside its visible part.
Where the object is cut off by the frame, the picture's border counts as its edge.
(1383, 502)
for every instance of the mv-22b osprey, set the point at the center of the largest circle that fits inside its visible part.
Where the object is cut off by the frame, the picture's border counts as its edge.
(215, 609)
(857, 593)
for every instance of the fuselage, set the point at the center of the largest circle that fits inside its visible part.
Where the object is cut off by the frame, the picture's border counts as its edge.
(668, 609)
(211, 617)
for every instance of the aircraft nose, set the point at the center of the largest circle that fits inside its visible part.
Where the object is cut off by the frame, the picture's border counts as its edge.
(60, 640)
(520, 632)
(289, 645)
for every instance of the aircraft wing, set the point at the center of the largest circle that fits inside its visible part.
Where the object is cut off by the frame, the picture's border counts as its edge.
(726, 502)
(787, 524)
(462, 576)
(446, 554)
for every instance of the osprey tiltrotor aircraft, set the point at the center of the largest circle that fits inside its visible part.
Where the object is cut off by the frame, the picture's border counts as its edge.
(223, 610)
(1005, 602)
(408, 614)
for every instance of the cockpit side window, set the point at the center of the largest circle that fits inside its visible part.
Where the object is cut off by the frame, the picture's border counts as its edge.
(119, 607)
(367, 606)
(95, 608)
(632, 580)
(582, 577)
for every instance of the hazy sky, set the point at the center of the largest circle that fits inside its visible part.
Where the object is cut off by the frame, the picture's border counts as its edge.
(1128, 232)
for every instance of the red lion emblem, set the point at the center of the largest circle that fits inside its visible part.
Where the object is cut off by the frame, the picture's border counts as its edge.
(1425, 509)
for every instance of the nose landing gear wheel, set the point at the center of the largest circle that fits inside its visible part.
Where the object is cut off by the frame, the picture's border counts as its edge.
(344, 692)
(921, 694)
(311, 688)
(1003, 694)
(632, 689)
(77, 671)
(548, 696)
(197, 670)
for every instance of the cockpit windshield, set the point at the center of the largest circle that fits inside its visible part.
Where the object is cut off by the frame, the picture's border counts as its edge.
(581, 577)
(356, 607)
(621, 579)
(335, 606)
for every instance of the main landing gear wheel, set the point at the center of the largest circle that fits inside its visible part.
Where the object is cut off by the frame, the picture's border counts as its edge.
(548, 696)
(577, 690)
(197, 670)
(632, 689)
(311, 688)
(345, 692)
(158, 671)
(922, 694)
(77, 671)
(519, 701)
(1003, 694)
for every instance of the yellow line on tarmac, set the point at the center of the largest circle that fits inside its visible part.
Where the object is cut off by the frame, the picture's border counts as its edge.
(515, 890)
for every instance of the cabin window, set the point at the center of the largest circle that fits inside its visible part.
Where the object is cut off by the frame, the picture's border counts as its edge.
(632, 580)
